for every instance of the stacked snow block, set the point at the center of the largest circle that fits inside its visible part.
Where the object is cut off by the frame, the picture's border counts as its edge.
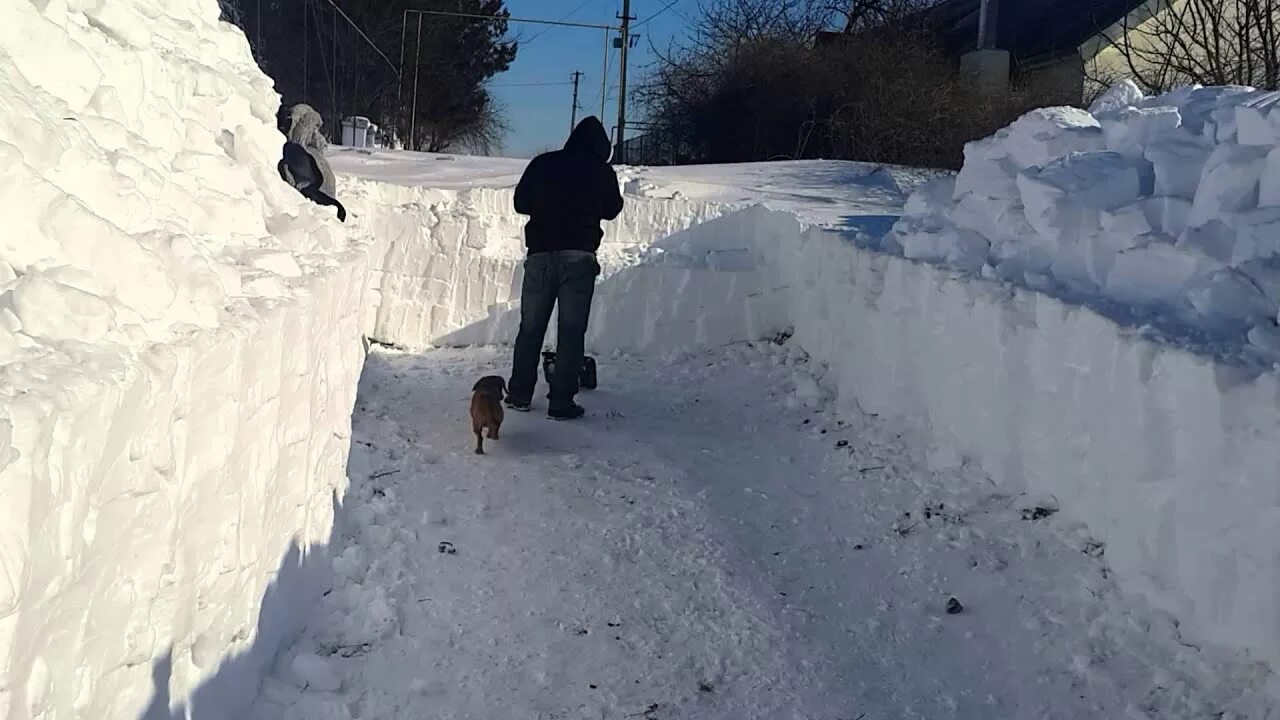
(1158, 208)
(179, 352)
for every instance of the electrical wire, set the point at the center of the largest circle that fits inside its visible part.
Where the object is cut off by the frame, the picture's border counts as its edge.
(376, 49)
(604, 96)
(544, 31)
(665, 8)
(532, 84)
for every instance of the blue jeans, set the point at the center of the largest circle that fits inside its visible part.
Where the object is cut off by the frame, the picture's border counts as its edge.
(566, 277)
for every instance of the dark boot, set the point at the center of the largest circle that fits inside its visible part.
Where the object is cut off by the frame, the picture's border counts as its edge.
(572, 411)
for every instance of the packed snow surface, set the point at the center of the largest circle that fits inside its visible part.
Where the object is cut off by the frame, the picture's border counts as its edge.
(1159, 211)
(715, 541)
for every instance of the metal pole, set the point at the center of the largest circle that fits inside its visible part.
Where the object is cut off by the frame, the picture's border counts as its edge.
(573, 116)
(306, 76)
(404, 21)
(988, 21)
(604, 76)
(413, 115)
(620, 156)
(333, 90)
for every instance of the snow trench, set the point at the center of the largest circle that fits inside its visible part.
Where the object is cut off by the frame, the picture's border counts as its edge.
(1163, 455)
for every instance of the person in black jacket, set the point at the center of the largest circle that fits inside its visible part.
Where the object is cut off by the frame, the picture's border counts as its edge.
(566, 194)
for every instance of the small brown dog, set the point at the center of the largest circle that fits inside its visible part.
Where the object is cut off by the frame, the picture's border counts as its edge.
(486, 408)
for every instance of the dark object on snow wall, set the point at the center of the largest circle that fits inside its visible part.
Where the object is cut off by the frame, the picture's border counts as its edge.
(299, 169)
(303, 164)
(566, 193)
(586, 376)
(954, 607)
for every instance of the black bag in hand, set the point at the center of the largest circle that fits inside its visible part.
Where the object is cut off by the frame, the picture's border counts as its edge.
(586, 375)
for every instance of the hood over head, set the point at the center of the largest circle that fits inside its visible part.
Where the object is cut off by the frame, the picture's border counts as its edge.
(590, 138)
(304, 127)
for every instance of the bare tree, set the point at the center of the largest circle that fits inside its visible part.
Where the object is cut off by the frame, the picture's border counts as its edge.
(1168, 43)
(859, 15)
(751, 84)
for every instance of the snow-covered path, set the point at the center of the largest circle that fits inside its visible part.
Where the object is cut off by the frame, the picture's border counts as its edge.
(711, 542)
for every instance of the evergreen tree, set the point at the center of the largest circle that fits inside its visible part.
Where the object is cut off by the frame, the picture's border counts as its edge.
(315, 56)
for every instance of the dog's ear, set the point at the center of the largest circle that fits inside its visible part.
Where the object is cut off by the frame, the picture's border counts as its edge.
(479, 384)
(502, 385)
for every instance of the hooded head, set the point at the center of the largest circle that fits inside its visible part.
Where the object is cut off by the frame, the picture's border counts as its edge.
(304, 127)
(590, 139)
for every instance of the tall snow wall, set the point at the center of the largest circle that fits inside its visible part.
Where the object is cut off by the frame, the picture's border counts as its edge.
(179, 351)
(1167, 456)
(442, 260)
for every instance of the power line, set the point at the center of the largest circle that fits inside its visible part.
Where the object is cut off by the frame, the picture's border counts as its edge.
(508, 18)
(665, 8)
(533, 84)
(366, 37)
(604, 78)
(546, 30)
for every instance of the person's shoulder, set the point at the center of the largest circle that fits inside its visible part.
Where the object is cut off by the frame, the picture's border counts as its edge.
(608, 171)
(540, 161)
(548, 156)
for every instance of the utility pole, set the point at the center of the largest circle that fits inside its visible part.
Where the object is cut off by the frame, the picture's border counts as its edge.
(306, 75)
(413, 114)
(604, 75)
(573, 118)
(333, 78)
(619, 155)
(404, 23)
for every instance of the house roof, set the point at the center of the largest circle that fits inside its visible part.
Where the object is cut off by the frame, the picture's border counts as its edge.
(1030, 29)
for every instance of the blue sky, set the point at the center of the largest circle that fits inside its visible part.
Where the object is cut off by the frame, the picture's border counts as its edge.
(539, 114)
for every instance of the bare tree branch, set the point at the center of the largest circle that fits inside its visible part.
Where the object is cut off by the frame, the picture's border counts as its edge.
(1210, 42)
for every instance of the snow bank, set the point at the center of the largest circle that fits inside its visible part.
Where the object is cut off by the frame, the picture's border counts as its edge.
(1156, 210)
(1167, 456)
(179, 347)
(443, 259)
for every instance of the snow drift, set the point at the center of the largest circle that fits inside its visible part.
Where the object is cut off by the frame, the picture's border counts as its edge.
(1158, 210)
(179, 347)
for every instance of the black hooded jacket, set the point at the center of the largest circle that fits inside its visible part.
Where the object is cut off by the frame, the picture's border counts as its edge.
(566, 193)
